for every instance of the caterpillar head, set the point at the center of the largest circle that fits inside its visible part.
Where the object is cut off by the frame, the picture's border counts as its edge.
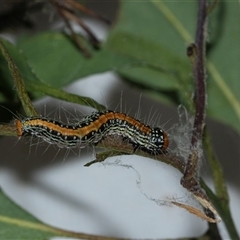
(160, 140)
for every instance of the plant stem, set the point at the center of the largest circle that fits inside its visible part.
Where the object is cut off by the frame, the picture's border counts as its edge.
(191, 170)
(19, 83)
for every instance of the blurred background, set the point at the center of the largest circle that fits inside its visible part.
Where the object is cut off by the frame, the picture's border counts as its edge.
(125, 196)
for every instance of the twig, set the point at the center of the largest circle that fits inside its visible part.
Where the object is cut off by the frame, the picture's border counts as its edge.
(73, 34)
(8, 130)
(19, 83)
(116, 146)
(221, 200)
(190, 178)
(75, 5)
(92, 38)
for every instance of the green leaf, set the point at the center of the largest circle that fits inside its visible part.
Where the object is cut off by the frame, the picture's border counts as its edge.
(144, 34)
(15, 223)
(18, 83)
(7, 83)
(33, 84)
(57, 62)
(223, 65)
(157, 34)
(54, 58)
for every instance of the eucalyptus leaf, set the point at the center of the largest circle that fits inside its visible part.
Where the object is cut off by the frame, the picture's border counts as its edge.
(32, 83)
(158, 32)
(223, 64)
(57, 62)
(15, 223)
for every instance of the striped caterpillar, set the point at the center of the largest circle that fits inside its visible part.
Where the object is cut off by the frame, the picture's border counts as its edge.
(92, 129)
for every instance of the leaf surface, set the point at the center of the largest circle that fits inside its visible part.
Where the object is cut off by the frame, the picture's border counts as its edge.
(157, 34)
(16, 223)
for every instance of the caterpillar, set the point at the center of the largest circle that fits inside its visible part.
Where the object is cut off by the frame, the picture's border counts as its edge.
(93, 128)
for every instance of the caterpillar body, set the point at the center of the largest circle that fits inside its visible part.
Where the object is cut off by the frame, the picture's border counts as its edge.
(92, 129)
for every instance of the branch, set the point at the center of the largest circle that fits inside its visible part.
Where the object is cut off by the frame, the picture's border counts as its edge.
(73, 34)
(198, 57)
(18, 83)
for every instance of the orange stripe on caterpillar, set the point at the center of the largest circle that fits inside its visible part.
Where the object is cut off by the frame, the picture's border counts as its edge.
(93, 128)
